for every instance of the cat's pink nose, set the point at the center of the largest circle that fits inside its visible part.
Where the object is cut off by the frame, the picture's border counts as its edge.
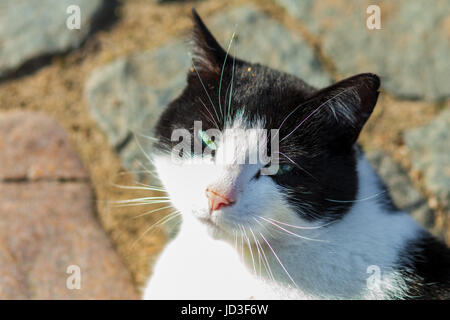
(216, 200)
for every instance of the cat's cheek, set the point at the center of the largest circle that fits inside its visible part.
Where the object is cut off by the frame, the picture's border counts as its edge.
(271, 202)
(185, 184)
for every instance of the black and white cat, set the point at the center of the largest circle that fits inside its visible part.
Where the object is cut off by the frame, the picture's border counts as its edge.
(321, 227)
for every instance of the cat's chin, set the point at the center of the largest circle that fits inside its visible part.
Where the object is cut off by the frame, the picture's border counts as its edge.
(213, 229)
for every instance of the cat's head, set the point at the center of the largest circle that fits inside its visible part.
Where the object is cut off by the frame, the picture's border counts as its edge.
(316, 131)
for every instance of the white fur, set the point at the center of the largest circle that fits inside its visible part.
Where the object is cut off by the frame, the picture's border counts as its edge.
(211, 258)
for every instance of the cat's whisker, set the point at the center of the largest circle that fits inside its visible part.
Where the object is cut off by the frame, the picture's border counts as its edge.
(146, 136)
(152, 211)
(265, 260)
(250, 248)
(149, 158)
(223, 69)
(358, 200)
(289, 232)
(212, 117)
(263, 226)
(147, 185)
(132, 172)
(242, 246)
(297, 165)
(227, 96)
(259, 252)
(138, 204)
(143, 199)
(231, 90)
(279, 260)
(149, 188)
(148, 170)
(158, 223)
(300, 227)
(204, 114)
(313, 112)
(144, 203)
(206, 91)
(284, 120)
(308, 209)
(144, 170)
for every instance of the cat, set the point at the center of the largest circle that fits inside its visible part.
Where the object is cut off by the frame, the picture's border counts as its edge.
(321, 227)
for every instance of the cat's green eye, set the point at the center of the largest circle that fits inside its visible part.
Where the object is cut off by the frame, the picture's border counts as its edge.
(284, 168)
(206, 140)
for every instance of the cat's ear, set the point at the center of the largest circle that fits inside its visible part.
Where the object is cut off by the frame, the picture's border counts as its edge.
(347, 105)
(207, 55)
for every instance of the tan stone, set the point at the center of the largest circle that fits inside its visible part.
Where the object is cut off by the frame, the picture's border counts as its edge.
(46, 226)
(33, 146)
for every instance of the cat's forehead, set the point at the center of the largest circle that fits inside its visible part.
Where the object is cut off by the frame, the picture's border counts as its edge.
(255, 91)
(242, 140)
(267, 84)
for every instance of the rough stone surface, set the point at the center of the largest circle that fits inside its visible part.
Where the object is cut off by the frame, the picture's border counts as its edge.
(32, 147)
(32, 29)
(48, 225)
(405, 196)
(263, 40)
(429, 147)
(409, 52)
(129, 94)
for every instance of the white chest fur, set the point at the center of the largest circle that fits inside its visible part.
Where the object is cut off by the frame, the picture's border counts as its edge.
(195, 266)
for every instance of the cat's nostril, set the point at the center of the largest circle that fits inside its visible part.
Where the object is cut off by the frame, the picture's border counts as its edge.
(217, 201)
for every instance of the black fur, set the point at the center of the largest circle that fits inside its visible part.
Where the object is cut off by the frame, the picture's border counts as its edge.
(426, 262)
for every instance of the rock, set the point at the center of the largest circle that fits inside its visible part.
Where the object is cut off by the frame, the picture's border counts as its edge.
(429, 147)
(262, 39)
(33, 148)
(401, 189)
(128, 95)
(409, 52)
(48, 226)
(303, 11)
(34, 29)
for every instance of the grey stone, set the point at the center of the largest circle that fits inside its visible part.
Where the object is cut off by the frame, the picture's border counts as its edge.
(128, 95)
(404, 195)
(430, 154)
(261, 39)
(32, 29)
(302, 10)
(409, 52)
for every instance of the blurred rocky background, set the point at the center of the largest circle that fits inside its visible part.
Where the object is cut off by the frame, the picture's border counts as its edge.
(77, 108)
